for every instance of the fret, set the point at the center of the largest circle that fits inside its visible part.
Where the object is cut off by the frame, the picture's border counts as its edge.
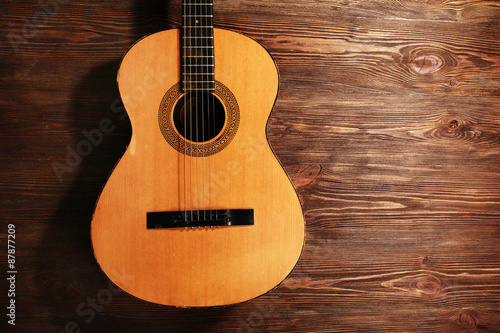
(198, 76)
(199, 86)
(190, 56)
(198, 64)
(197, 20)
(202, 40)
(194, 50)
(197, 43)
(198, 83)
(197, 25)
(198, 89)
(194, 73)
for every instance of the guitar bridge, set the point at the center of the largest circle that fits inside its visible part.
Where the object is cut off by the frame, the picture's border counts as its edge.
(200, 218)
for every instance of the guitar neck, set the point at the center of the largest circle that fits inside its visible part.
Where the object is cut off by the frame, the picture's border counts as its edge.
(197, 46)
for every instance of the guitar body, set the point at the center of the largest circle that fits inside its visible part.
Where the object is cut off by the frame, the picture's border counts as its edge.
(193, 267)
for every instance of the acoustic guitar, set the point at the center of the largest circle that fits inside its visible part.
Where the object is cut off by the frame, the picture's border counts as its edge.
(198, 211)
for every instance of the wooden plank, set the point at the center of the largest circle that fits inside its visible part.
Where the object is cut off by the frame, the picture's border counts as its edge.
(387, 121)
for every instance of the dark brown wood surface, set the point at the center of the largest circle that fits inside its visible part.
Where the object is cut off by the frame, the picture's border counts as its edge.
(387, 121)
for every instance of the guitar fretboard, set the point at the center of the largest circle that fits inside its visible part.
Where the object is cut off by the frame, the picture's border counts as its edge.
(197, 45)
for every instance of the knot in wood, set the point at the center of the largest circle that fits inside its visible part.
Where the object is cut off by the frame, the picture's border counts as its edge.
(427, 284)
(453, 124)
(308, 175)
(455, 128)
(467, 321)
(424, 60)
(426, 64)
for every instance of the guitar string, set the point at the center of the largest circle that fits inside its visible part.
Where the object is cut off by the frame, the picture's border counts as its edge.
(203, 73)
(212, 101)
(198, 93)
(185, 91)
(189, 109)
(214, 112)
(194, 138)
(203, 110)
(192, 100)
(208, 43)
(200, 42)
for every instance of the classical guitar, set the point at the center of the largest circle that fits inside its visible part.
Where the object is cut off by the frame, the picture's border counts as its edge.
(198, 211)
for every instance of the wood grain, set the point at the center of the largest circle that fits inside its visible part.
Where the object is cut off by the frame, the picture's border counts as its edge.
(387, 121)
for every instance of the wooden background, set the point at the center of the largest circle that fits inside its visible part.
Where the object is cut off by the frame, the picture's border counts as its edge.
(387, 121)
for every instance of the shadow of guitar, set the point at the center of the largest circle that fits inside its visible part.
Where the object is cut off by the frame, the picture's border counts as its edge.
(71, 283)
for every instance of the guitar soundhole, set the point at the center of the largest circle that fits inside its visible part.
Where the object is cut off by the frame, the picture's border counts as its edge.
(199, 116)
(199, 124)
